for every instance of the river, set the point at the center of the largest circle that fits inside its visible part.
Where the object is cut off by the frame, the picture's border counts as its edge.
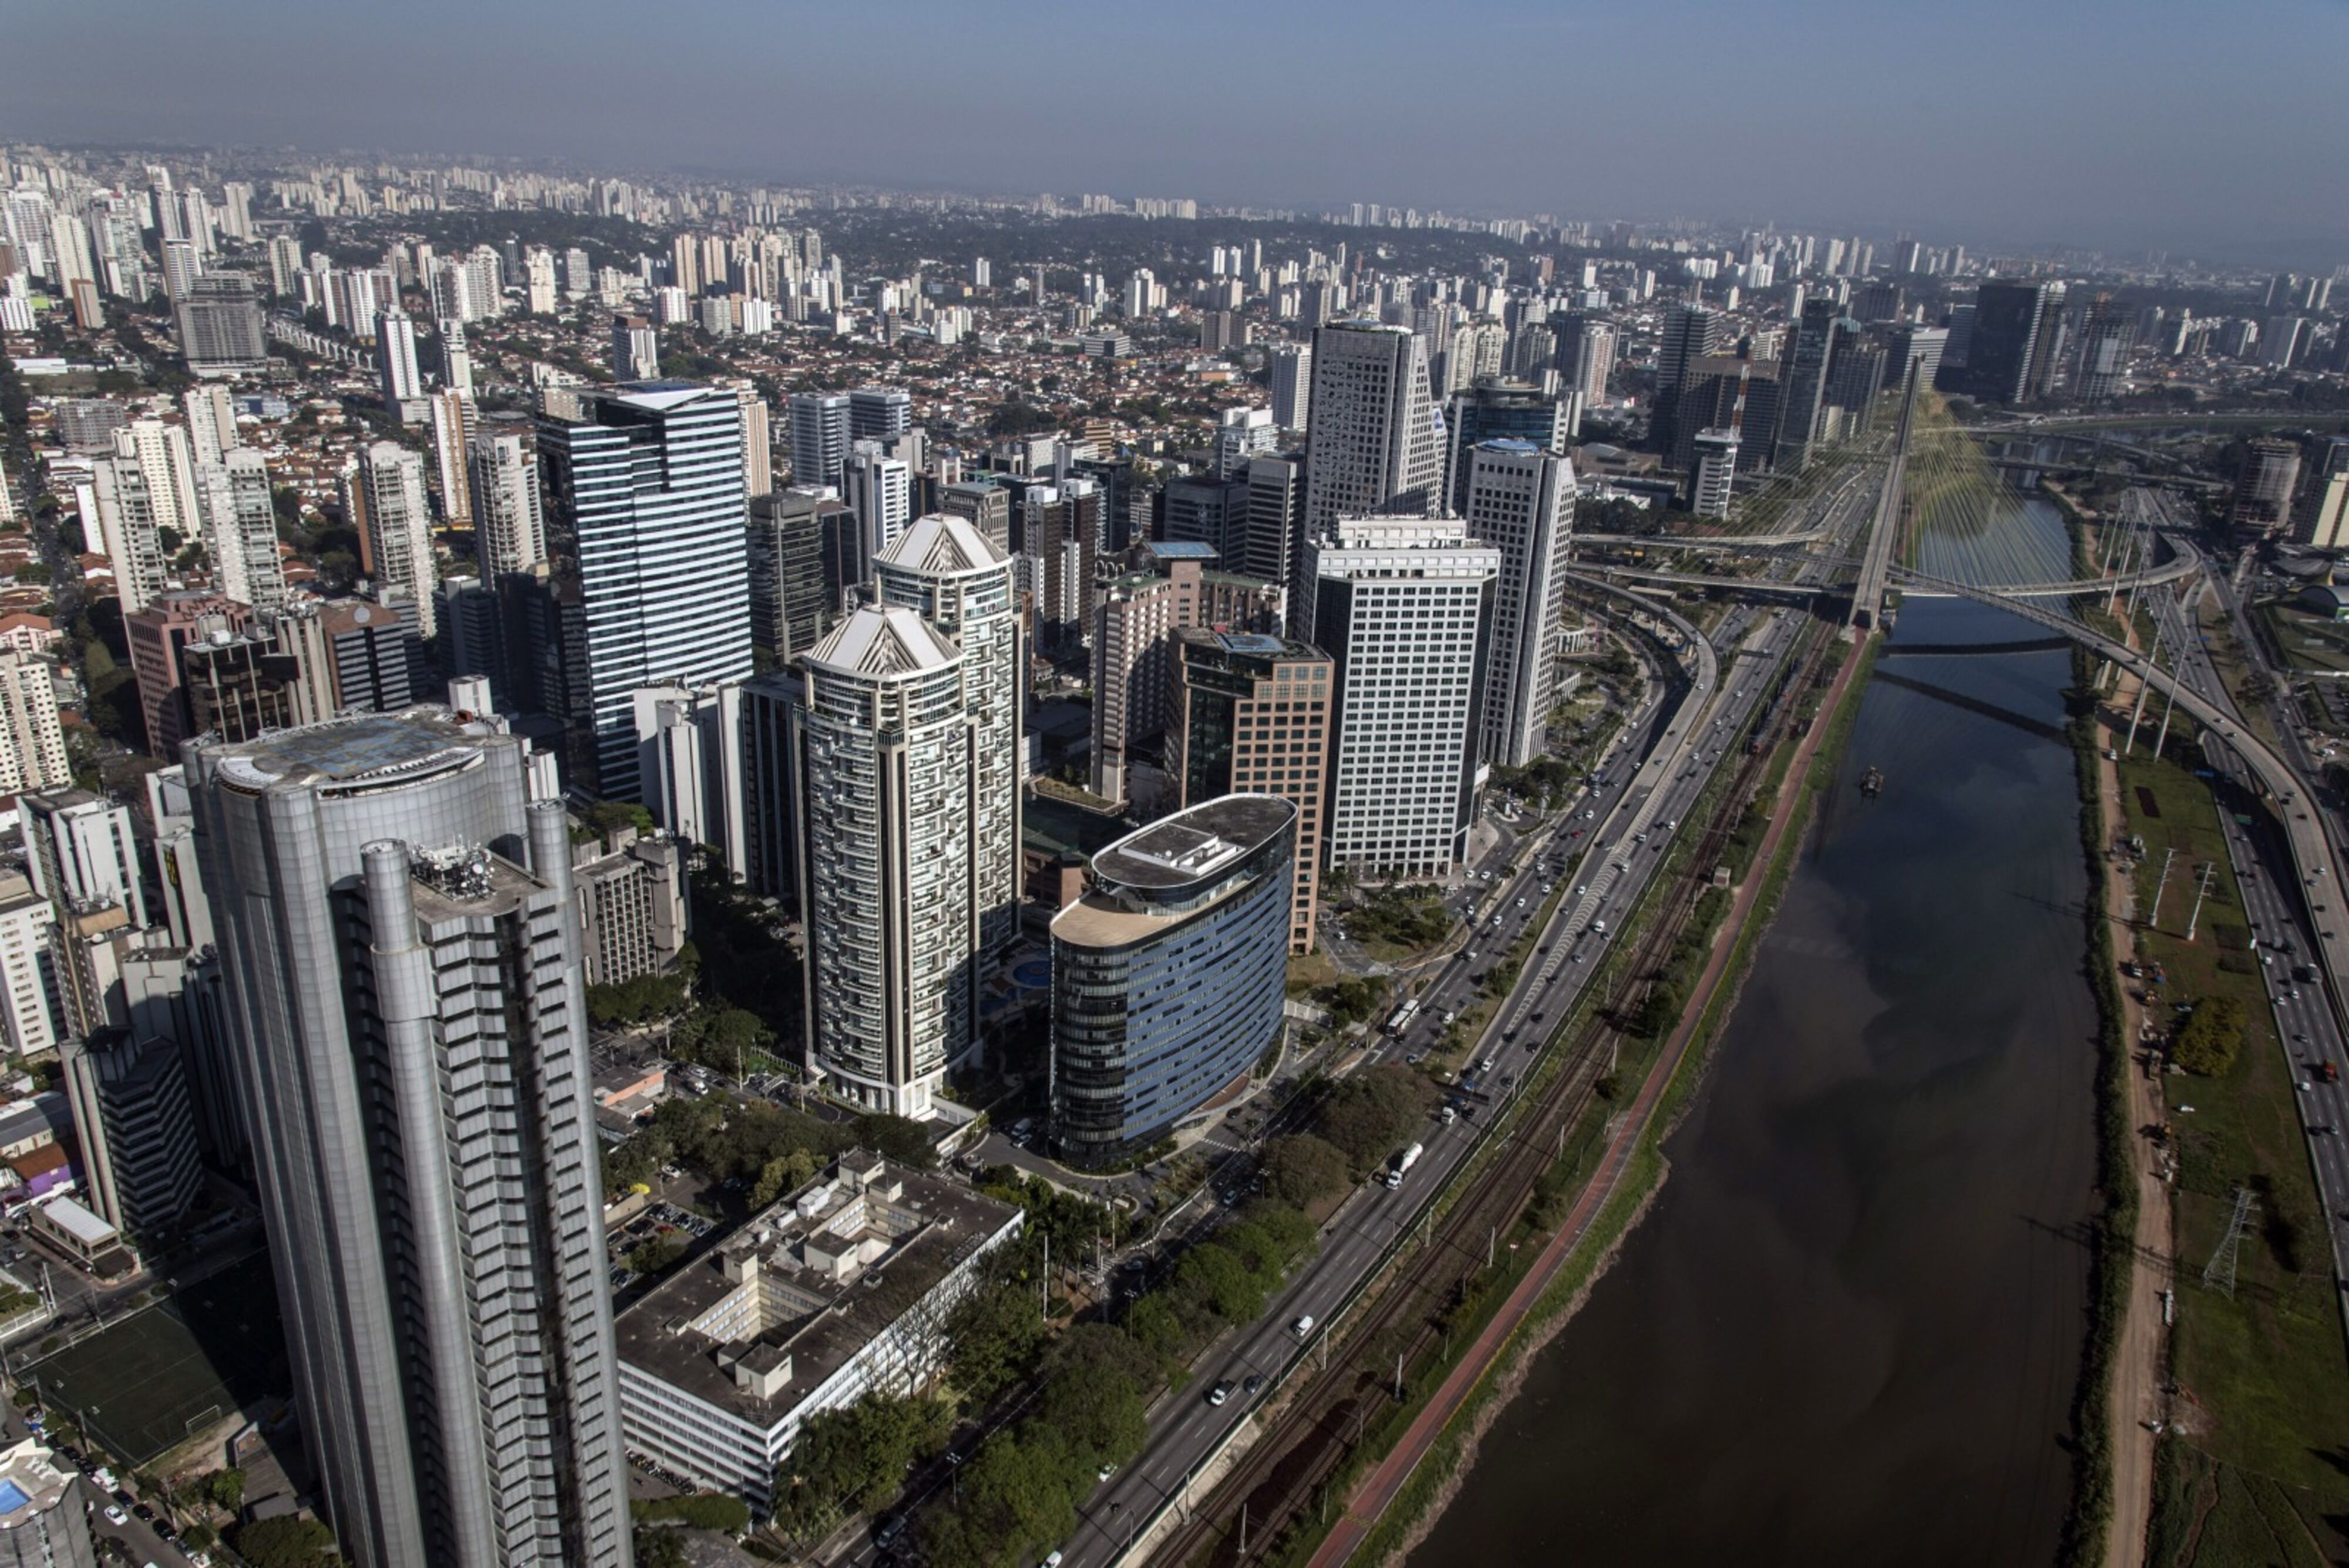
(1850, 1328)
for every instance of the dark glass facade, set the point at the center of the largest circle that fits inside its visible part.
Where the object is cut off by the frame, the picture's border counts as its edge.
(1169, 978)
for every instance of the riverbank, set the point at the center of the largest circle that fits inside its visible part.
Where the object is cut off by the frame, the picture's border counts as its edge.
(1402, 1496)
(2123, 1371)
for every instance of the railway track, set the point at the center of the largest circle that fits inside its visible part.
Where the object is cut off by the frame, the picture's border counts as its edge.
(1320, 1428)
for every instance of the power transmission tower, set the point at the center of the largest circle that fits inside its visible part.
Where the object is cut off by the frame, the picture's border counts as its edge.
(2200, 894)
(2220, 1273)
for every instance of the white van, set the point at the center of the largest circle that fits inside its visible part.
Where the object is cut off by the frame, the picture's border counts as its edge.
(1302, 1326)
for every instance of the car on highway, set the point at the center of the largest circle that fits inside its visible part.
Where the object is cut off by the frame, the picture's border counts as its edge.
(1220, 1392)
(1254, 1384)
(1302, 1326)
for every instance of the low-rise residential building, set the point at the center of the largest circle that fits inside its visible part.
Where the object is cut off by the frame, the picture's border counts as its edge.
(838, 1290)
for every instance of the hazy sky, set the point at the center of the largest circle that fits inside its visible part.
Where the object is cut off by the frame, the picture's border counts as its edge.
(2117, 122)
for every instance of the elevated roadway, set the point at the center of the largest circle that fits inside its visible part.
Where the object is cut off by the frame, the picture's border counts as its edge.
(2313, 857)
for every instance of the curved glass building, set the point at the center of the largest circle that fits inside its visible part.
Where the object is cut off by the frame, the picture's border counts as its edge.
(1168, 978)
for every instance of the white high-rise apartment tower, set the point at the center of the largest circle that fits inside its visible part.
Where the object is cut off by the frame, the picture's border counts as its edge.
(1404, 606)
(1376, 445)
(1293, 386)
(241, 522)
(383, 495)
(819, 423)
(881, 491)
(509, 519)
(400, 960)
(945, 567)
(32, 736)
(395, 358)
(454, 420)
(886, 754)
(1520, 500)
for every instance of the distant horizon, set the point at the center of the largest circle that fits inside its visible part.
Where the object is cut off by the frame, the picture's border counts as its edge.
(2001, 126)
(2304, 254)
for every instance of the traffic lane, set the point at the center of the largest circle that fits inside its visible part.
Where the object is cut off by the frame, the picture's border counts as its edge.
(2311, 1035)
(1195, 1431)
(1371, 1227)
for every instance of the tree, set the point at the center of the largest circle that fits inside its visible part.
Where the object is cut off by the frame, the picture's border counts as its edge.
(1302, 1169)
(1371, 1113)
(1213, 1277)
(784, 1173)
(995, 1332)
(2212, 1034)
(853, 1460)
(226, 1488)
(898, 1140)
(285, 1543)
(659, 1546)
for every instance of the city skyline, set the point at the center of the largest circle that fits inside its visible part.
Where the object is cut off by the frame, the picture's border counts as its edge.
(2096, 126)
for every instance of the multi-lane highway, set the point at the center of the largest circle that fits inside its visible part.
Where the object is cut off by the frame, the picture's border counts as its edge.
(2279, 913)
(1607, 846)
(1627, 836)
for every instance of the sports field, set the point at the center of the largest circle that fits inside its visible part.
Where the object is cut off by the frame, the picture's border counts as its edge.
(149, 1382)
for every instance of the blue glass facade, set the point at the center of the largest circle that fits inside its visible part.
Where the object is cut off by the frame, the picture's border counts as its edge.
(1168, 979)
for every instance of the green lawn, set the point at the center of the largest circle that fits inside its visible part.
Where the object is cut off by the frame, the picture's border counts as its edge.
(2311, 641)
(2264, 1371)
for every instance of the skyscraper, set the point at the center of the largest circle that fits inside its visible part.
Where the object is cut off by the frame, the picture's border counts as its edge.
(1519, 498)
(1690, 332)
(220, 325)
(1293, 386)
(881, 491)
(454, 420)
(1136, 615)
(1377, 440)
(819, 423)
(401, 967)
(758, 442)
(1167, 975)
(2263, 490)
(1584, 355)
(645, 514)
(1252, 714)
(1495, 409)
(635, 349)
(383, 496)
(1272, 539)
(1404, 606)
(2005, 341)
(1803, 381)
(32, 733)
(241, 524)
(944, 568)
(884, 761)
(395, 358)
(1714, 471)
(789, 607)
(509, 518)
(879, 413)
